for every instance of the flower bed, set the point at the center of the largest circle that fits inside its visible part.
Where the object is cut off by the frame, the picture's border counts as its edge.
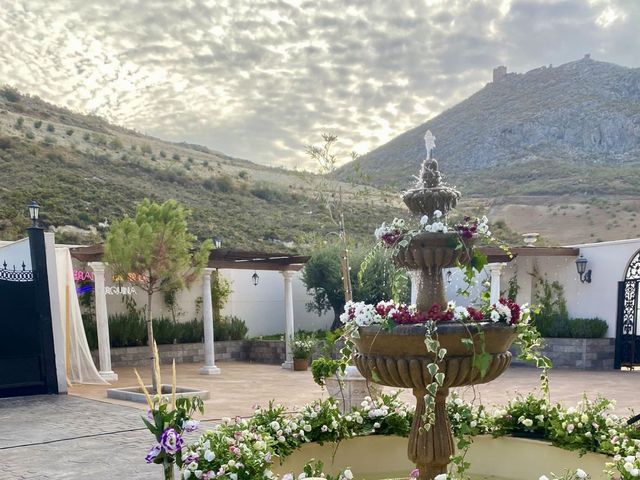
(370, 441)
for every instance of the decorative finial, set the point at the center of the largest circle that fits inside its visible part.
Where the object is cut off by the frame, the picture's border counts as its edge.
(429, 142)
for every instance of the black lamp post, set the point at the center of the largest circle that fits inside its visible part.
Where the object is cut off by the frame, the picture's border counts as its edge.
(34, 212)
(255, 278)
(581, 265)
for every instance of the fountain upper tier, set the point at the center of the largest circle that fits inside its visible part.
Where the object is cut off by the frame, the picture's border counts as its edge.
(430, 193)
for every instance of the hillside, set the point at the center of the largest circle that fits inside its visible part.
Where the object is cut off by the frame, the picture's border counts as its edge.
(555, 150)
(83, 171)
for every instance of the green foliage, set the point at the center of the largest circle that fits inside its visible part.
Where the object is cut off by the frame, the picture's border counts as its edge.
(49, 141)
(50, 128)
(163, 154)
(229, 328)
(129, 330)
(30, 135)
(146, 149)
(243, 174)
(220, 292)
(322, 276)
(303, 345)
(37, 124)
(86, 136)
(324, 367)
(175, 156)
(156, 246)
(587, 328)
(19, 122)
(551, 317)
(10, 94)
(69, 132)
(115, 144)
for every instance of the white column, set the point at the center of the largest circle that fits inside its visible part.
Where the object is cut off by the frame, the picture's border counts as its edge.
(209, 367)
(495, 269)
(288, 318)
(102, 322)
(413, 276)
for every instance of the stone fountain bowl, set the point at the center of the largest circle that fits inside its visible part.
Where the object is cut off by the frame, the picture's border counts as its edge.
(399, 358)
(430, 251)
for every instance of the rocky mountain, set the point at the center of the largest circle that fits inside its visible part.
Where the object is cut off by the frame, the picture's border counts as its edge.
(582, 112)
(86, 172)
(555, 150)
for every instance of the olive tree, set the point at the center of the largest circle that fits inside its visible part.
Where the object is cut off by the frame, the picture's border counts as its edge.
(155, 251)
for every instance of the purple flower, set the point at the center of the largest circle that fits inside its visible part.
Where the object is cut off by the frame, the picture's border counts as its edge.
(190, 457)
(150, 416)
(171, 441)
(153, 453)
(415, 473)
(190, 425)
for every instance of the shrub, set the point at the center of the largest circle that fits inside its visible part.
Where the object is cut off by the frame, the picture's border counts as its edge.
(51, 128)
(225, 184)
(229, 328)
(49, 140)
(5, 143)
(190, 159)
(146, 149)
(19, 122)
(175, 156)
(587, 327)
(243, 174)
(37, 124)
(127, 329)
(69, 132)
(115, 144)
(30, 135)
(10, 93)
(86, 137)
(163, 154)
(99, 140)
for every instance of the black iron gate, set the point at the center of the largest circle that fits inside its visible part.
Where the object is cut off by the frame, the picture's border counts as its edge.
(27, 359)
(627, 328)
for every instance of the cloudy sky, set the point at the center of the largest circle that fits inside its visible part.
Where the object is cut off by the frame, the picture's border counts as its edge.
(261, 79)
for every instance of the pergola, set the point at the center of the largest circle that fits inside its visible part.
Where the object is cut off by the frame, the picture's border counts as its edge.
(221, 258)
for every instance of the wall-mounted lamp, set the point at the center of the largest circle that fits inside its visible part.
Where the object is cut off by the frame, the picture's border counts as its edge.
(217, 241)
(255, 278)
(581, 265)
(449, 275)
(34, 211)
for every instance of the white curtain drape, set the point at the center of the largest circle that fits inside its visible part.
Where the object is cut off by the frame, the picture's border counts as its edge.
(80, 366)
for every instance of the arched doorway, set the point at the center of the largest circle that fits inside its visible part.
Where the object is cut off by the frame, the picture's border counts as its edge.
(627, 326)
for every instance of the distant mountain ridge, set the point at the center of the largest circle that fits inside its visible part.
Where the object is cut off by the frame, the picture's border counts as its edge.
(582, 112)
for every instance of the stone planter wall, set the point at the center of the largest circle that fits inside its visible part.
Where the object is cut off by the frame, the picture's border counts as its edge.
(258, 351)
(578, 353)
(266, 351)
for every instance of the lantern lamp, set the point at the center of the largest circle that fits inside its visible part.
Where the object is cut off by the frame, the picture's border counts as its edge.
(34, 212)
(581, 265)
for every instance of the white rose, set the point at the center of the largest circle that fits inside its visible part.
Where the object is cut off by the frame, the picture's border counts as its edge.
(348, 475)
(437, 214)
(209, 455)
(581, 473)
(442, 476)
(424, 220)
(495, 316)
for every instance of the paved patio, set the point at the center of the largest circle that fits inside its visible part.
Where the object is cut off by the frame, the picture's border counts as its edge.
(84, 435)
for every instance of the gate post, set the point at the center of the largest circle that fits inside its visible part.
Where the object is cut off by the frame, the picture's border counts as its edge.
(43, 304)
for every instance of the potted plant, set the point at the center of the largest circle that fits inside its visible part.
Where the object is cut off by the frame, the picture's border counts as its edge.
(302, 346)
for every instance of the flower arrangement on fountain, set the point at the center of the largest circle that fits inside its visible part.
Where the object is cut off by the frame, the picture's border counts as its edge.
(388, 314)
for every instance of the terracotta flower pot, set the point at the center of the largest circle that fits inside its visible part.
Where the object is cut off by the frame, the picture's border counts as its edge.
(300, 364)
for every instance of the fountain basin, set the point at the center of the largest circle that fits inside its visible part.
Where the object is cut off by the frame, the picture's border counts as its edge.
(399, 358)
(378, 457)
(432, 251)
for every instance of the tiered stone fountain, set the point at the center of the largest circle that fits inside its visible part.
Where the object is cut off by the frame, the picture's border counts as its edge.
(399, 358)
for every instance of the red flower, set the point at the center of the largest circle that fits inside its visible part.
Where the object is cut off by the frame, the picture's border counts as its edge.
(514, 308)
(475, 315)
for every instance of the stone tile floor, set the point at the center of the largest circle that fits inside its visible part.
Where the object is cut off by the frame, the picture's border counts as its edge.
(84, 435)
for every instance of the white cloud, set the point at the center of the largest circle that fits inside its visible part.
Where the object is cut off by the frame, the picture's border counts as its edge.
(260, 80)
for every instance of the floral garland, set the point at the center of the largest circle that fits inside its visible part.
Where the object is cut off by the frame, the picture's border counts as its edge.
(390, 314)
